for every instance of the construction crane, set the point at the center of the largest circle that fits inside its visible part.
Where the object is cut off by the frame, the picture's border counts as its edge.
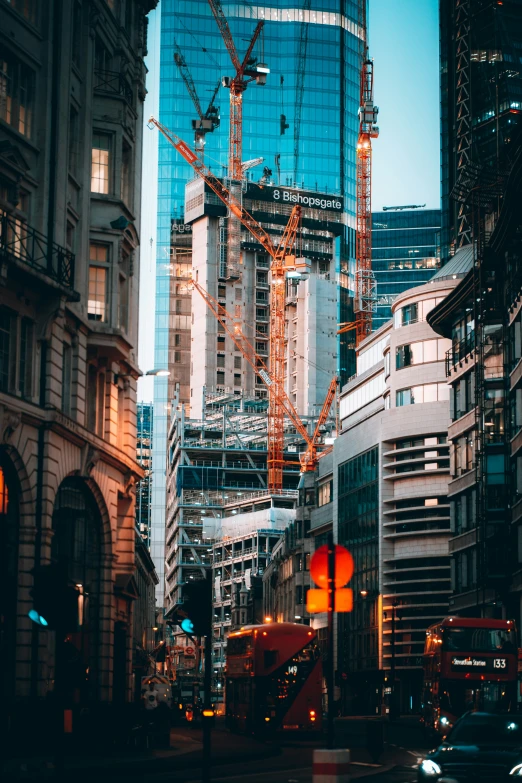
(309, 458)
(283, 261)
(299, 87)
(365, 285)
(238, 84)
(206, 122)
(246, 71)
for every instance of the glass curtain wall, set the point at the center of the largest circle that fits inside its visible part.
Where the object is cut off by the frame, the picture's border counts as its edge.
(328, 39)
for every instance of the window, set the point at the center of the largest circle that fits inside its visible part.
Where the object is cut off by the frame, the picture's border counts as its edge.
(421, 352)
(26, 357)
(324, 494)
(220, 378)
(16, 94)
(177, 357)
(238, 292)
(177, 340)
(221, 360)
(73, 141)
(77, 33)
(430, 392)
(123, 293)
(237, 362)
(100, 163)
(26, 8)
(7, 348)
(126, 159)
(97, 304)
(237, 379)
(66, 379)
(100, 405)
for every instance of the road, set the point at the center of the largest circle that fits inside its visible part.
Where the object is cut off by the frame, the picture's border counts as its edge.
(294, 765)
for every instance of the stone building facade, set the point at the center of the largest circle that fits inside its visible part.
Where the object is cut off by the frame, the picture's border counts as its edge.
(72, 86)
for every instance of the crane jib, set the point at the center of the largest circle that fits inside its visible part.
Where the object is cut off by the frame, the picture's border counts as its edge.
(185, 150)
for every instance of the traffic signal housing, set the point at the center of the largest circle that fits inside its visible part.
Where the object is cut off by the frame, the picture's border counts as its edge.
(197, 606)
(55, 601)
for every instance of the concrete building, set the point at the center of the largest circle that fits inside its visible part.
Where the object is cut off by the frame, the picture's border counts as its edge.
(283, 124)
(390, 507)
(405, 253)
(144, 459)
(72, 85)
(311, 303)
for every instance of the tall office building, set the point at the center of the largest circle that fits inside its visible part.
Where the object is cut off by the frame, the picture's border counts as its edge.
(405, 253)
(143, 458)
(304, 125)
(481, 104)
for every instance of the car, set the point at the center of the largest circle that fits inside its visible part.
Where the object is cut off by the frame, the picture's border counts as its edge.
(482, 747)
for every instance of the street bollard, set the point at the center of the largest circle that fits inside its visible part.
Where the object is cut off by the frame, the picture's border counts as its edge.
(331, 766)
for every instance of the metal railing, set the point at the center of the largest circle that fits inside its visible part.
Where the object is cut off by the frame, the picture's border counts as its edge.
(113, 82)
(20, 242)
(459, 350)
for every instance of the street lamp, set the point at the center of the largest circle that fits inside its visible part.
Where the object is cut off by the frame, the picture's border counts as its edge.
(159, 373)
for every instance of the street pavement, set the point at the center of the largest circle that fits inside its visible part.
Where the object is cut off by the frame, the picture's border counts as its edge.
(234, 759)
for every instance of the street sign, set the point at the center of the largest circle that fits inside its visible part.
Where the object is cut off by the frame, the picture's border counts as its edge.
(317, 599)
(189, 652)
(343, 566)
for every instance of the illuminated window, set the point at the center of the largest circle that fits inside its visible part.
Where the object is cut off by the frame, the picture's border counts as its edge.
(100, 163)
(97, 309)
(16, 94)
(4, 494)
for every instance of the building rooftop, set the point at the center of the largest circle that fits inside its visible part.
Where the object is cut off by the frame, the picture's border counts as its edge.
(458, 266)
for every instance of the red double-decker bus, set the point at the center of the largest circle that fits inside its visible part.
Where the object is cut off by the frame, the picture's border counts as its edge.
(469, 664)
(273, 680)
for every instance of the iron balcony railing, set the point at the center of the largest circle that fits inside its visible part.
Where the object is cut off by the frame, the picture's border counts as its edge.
(113, 82)
(459, 350)
(20, 242)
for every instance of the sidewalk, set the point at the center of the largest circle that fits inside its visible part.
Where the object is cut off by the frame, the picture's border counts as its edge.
(185, 747)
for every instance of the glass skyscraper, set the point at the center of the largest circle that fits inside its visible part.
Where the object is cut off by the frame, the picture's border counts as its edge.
(320, 50)
(405, 253)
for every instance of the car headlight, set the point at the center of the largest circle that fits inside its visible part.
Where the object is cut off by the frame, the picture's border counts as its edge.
(429, 767)
(444, 721)
(517, 771)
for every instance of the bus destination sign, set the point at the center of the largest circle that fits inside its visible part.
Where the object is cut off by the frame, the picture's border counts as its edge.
(477, 663)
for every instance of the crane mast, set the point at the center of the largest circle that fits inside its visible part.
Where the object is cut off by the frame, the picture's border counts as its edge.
(365, 285)
(206, 122)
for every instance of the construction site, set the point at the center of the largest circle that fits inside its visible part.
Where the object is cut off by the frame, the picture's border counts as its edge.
(262, 276)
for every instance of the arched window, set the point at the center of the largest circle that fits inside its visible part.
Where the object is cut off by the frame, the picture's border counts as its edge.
(77, 543)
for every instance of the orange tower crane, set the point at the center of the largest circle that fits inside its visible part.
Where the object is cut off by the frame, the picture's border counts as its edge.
(309, 457)
(283, 261)
(238, 85)
(365, 285)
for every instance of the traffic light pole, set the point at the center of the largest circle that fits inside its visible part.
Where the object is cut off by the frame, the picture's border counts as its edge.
(330, 661)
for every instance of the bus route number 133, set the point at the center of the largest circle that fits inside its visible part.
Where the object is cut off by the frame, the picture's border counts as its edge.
(499, 663)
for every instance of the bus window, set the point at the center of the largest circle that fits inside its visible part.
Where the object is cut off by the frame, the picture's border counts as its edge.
(479, 640)
(269, 658)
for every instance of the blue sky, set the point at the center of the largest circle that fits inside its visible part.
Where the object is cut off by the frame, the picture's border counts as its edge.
(404, 45)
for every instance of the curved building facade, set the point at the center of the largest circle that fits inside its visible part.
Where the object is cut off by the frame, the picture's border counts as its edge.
(391, 472)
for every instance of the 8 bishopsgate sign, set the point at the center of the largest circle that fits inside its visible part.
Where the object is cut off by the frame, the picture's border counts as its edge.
(292, 196)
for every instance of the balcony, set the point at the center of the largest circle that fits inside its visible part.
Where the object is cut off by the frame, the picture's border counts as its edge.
(114, 83)
(459, 351)
(22, 244)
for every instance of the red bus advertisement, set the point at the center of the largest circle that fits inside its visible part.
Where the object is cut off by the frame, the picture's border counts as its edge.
(469, 664)
(273, 680)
